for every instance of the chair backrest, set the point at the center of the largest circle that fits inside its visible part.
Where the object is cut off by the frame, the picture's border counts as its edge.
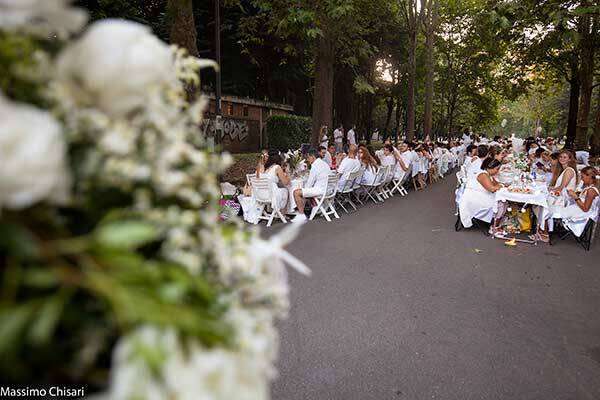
(332, 184)
(249, 178)
(382, 174)
(358, 180)
(262, 190)
(351, 181)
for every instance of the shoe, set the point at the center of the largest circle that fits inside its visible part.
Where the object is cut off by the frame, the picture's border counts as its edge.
(299, 218)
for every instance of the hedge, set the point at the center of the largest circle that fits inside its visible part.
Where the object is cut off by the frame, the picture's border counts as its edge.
(288, 131)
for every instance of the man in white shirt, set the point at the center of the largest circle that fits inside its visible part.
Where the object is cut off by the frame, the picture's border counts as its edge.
(348, 165)
(475, 166)
(351, 136)
(338, 138)
(325, 156)
(315, 186)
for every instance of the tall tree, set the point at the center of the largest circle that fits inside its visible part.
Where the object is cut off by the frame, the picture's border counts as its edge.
(411, 15)
(429, 19)
(182, 29)
(596, 137)
(587, 28)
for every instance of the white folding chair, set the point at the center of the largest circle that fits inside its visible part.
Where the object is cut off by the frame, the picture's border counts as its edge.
(371, 189)
(326, 203)
(388, 175)
(262, 190)
(398, 183)
(344, 194)
(357, 188)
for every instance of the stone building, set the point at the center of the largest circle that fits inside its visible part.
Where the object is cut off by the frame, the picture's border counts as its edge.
(244, 122)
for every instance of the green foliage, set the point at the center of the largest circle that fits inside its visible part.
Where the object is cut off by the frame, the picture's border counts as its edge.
(288, 131)
(17, 57)
(64, 302)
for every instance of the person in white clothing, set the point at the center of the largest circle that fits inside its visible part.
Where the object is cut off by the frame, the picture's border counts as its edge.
(478, 200)
(316, 185)
(404, 160)
(323, 138)
(474, 167)
(325, 156)
(278, 180)
(351, 136)
(566, 181)
(583, 202)
(338, 138)
(348, 165)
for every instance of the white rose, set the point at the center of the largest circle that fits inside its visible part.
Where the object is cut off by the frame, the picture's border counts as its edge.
(42, 17)
(33, 154)
(114, 66)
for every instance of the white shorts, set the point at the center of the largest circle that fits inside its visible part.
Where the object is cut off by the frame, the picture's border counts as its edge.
(312, 192)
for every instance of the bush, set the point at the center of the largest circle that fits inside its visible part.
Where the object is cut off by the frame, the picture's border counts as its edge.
(288, 131)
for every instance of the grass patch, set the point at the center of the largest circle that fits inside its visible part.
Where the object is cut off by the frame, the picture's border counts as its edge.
(243, 164)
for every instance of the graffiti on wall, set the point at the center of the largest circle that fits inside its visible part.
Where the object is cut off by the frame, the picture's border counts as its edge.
(236, 129)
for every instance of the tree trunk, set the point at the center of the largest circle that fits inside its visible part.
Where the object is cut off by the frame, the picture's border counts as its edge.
(573, 104)
(412, 77)
(586, 77)
(390, 108)
(429, 16)
(182, 29)
(322, 112)
(343, 97)
(596, 138)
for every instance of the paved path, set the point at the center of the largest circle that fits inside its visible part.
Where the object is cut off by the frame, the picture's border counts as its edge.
(402, 307)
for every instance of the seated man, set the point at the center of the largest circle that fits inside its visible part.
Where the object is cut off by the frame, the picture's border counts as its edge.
(348, 165)
(315, 186)
(325, 156)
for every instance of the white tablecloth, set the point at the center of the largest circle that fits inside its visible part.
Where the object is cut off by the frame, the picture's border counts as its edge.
(537, 198)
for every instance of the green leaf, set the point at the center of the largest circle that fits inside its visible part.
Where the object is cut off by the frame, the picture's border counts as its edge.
(47, 317)
(40, 278)
(13, 322)
(18, 242)
(125, 234)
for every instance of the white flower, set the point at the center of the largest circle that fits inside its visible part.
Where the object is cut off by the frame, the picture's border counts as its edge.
(187, 373)
(42, 17)
(33, 154)
(114, 66)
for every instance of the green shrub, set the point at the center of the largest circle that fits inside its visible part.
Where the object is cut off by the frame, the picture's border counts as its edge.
(288, 131)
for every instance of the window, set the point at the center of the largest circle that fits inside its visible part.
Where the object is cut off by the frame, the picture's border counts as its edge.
(230, 108)
(245, 111)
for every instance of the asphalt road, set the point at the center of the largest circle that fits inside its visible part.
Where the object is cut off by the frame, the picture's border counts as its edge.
(402, 307)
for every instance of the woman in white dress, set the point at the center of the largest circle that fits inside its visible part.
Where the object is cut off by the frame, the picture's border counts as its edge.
(369, 164)
(478, 200)
(278, 179)
(567, 173)
(582, 208)
(564, 179)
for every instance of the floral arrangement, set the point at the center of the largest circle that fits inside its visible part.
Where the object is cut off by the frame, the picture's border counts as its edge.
(521, 163)
(117, 273)
(295, 163)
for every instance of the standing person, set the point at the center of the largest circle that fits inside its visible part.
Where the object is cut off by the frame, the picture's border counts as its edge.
(323, 139)
(338, 138)
(351, 135)
(315, 186)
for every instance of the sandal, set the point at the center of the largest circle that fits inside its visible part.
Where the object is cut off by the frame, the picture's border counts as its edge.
(538, 237)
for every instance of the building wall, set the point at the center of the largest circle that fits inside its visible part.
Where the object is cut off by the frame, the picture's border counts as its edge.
(242, 124)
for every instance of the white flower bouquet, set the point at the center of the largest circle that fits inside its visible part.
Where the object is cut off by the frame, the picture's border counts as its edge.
(295, 163)
(119, 275)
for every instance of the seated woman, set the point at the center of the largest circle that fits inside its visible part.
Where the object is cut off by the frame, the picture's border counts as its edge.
(553, 170)
(564, 179)
(583, 202)
(369, 164)
(567, 178)
(262, 159)
(279, 179)
(478, 200)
